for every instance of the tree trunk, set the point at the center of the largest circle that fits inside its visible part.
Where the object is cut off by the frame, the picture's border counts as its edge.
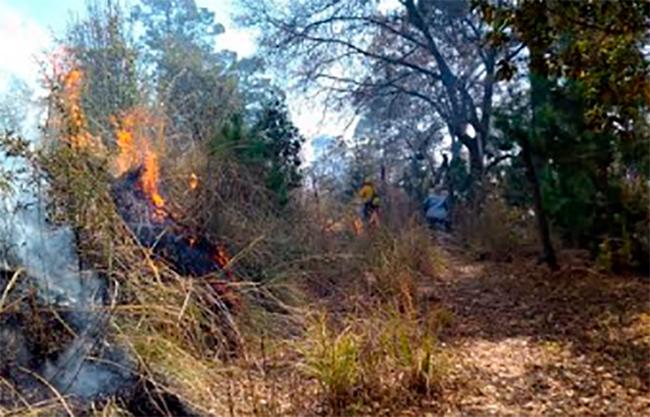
(537, 46)
(540, 213)
(475, 169)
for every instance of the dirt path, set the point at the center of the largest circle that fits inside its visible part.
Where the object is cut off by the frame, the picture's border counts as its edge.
(529, 343)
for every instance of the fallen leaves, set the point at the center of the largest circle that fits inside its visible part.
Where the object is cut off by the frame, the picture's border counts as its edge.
(530, 346)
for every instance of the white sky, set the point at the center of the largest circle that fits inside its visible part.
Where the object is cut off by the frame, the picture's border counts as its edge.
(21, 38)
(27, 28)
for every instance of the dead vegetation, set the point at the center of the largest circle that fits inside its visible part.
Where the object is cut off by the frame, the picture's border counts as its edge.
(338, 317)
(299, 315)
(386, 324)
(389, 323)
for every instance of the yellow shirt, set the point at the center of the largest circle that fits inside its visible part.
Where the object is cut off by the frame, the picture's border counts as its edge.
(367, 193)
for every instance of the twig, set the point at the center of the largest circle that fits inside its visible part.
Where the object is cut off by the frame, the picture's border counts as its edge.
(9, 286)
(51, 387)
(15, 391)
(185, 303)
(243, 252)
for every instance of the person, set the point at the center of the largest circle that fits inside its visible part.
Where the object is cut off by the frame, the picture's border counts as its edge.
(436, 210)
(369, 201)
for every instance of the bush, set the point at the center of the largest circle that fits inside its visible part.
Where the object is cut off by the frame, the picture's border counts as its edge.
(333, 360)
(399, 259)
(495, 228)
(381, 359)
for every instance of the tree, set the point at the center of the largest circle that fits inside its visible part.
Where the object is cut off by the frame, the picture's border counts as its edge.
(269, 148)
(103, 48)
(193, 82)
(588, 134)
(432, 53)
(280, 144)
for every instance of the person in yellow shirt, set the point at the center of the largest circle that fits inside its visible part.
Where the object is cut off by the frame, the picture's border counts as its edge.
(369, 200)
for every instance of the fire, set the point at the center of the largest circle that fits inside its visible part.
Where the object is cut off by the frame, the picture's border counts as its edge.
(357, 225)
(124, 136)
(150, 177)
(194, 181)
(221, 256)
(222, 259)
(73, 120)
(133, 133)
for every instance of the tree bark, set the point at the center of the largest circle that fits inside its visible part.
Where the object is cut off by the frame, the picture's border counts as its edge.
(537, 45)
(540, 213)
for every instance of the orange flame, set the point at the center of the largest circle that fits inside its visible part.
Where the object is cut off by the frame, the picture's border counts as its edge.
(150, 177)
(73, 121)
(221, 256)
(357, 226)
(194, 181)
(133, 133)
(128, 156)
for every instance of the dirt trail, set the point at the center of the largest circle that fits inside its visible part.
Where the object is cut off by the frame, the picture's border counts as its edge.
(530, 343)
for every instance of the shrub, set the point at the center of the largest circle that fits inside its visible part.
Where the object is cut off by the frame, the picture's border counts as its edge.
(496, 228)
(333, 360)
(399, 259)
(382, 358)
(412, 348)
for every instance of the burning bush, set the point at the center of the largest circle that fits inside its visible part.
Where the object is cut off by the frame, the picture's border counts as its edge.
(148, 233)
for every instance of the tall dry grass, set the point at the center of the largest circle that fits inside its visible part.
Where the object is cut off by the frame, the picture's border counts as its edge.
(375, 347)
(495, 229)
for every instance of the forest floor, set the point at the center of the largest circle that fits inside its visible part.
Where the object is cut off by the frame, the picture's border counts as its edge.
(523, 342)
(528, 342)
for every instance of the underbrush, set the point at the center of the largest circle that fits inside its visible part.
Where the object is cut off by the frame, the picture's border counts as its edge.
(396, 260)
(199, 351)
(495, 229)
(376, 362)
(374, 349)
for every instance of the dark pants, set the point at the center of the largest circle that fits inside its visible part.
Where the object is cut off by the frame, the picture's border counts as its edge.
(367, 209)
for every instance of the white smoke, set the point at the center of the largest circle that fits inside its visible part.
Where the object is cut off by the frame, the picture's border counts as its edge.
(47, 254)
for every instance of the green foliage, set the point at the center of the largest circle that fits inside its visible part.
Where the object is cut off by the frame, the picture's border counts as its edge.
(270, 148)
(279, 143)
(588, 132)
(333, 360)
(195, 83)
(104, 49)
(172, 26)
(416, 352)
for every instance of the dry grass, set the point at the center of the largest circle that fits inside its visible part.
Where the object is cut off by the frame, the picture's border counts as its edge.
(495, 229)
(30, 332)
(270, 356)
(399, 259)
(376, 363)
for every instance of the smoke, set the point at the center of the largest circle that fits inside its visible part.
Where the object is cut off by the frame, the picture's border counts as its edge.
(47, 254)
(74, 372)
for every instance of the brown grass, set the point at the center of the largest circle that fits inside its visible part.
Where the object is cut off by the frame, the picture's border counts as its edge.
(374, 347)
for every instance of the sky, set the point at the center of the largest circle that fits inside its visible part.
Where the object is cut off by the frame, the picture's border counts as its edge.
(27, 28)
